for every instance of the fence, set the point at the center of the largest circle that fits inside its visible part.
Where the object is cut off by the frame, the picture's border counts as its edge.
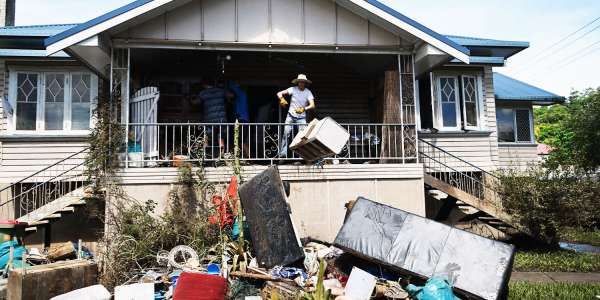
(259, 142)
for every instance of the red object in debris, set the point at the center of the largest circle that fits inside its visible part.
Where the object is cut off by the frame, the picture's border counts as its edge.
(226, 209)
(11, 222)
(192, 286)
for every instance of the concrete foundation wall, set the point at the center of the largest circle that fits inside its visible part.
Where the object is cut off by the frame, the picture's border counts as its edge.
(318, 206)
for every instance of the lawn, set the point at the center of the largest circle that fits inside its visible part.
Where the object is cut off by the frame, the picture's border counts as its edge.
(581, 237)
(556, 261)
(525, 290)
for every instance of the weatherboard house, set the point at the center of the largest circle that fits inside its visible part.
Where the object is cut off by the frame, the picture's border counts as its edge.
(425, 111)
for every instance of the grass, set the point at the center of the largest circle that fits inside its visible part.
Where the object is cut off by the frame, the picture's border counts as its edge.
(556, 261)
(574, 235)
(525, 290)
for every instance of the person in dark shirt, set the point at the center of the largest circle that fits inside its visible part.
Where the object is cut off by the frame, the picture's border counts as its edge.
(214, 112)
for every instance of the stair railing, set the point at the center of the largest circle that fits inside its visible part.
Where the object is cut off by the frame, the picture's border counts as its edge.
(459, 173)
(42, 187)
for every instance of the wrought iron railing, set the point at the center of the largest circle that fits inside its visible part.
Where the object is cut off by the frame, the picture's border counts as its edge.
(163, 144)
(43, 187)
(459, 173)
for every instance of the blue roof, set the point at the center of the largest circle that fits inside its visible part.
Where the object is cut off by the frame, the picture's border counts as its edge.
(486, 60)
(418, 25)
(30, 53)
(481, 42)
(93, 22)
(510, 89)
(34, 30)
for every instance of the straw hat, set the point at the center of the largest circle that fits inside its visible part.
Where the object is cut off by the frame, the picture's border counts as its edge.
(301, 77)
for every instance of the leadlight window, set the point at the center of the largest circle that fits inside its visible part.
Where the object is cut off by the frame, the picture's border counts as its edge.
(54, 107)
(27, 101)
(52, 101)
(81, 101)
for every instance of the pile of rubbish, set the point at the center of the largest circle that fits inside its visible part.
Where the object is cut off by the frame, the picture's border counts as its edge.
(379, 253)
(13, 253)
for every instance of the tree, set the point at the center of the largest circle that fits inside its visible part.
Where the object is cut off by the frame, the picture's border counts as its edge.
(573, 131)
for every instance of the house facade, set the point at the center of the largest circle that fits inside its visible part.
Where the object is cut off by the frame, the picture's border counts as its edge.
(424, 110)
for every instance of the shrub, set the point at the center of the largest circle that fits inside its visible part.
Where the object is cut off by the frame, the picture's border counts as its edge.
(543, 200)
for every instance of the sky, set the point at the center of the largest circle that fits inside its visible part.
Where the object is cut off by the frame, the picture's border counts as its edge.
(572, 64)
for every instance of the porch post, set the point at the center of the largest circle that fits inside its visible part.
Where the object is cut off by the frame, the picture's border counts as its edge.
(120, 62)
(417, 111)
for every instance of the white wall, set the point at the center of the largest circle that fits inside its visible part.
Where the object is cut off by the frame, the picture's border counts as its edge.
(517, 156)
(318, 204)
(320, 22)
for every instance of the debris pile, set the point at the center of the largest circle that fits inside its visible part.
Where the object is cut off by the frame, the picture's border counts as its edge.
(379, 253)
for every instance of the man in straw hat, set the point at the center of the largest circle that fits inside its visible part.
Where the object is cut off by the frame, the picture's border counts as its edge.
(302, 100)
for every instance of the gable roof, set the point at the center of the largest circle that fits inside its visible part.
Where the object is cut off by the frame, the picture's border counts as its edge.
(419, 26)
(510, 89)
(483, 42)
(109, 20)
(25, 41)
(43, 31)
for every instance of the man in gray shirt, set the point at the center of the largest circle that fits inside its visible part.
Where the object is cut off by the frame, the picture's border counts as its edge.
(302, 100)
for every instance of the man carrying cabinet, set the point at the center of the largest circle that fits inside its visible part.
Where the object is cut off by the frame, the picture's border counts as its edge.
(302, 100)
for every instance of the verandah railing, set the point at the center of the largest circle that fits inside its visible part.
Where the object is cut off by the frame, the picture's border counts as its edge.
(161, 144)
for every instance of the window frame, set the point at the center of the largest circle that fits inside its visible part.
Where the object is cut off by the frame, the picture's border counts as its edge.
(461, 110)
(478, 102)
(515, 129)
(41, 100)
(439, 104)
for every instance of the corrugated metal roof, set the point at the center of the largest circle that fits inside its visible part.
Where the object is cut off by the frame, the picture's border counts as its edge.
(510, 89)
(420, 26)
(35, 30)
(95, 21)
(30, 53)
(482, 42)
(486, 60)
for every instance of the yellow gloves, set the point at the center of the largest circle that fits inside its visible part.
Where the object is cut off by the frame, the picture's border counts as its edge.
(282, 101)
(300, 110)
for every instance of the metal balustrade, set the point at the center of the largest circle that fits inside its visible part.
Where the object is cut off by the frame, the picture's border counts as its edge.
(160, 144)
(43, 187)
(459, 173)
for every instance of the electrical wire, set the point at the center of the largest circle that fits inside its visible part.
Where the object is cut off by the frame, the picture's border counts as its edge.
(540, 57)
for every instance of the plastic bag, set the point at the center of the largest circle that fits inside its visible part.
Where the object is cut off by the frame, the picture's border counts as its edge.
(437, 288)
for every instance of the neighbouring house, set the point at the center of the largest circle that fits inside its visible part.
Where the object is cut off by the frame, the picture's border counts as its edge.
(425, 111)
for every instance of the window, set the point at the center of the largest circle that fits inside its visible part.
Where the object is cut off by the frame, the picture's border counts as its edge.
(514, 125)
(449, 101)
(27, 99)
(81, 98)
(54, 105)
(470, 97)
(52, 101)
(457, 102)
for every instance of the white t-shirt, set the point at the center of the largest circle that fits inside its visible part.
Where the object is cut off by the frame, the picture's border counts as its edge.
(299, 99)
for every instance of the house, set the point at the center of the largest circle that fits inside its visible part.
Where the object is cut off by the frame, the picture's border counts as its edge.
(424, 110)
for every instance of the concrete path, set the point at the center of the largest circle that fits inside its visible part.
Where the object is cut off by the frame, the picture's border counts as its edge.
(555, 277)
